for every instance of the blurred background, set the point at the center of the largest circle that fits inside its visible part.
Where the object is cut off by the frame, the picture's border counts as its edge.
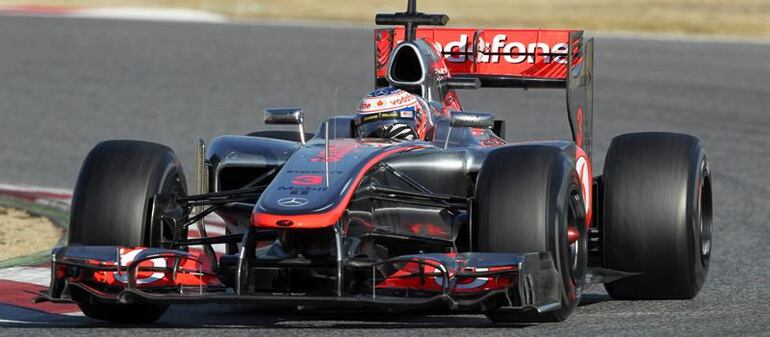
(750, 18)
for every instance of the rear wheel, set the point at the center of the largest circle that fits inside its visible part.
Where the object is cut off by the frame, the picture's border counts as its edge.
(111, 206)
(657, 215)
(528, 199)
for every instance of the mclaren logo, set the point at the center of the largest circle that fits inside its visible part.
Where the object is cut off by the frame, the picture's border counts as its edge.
(292, 202)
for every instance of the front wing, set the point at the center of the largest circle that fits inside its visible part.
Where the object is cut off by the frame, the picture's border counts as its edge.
(462, 281)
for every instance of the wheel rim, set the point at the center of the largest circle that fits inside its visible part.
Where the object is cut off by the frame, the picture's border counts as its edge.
(705, 220)
(172, 183)
(574, 248)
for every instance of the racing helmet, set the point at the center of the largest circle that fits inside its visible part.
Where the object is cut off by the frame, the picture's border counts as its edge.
(392, 113)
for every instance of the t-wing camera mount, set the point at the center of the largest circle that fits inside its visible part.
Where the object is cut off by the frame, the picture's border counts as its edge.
(411, 19)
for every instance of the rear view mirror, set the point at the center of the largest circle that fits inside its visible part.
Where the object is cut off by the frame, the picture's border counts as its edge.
(467, 119)
(284, 116)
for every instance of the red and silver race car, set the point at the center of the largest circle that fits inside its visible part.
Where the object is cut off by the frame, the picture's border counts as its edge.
(455, 218)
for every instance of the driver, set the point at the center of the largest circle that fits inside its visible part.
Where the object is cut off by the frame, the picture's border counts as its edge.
(392, 113)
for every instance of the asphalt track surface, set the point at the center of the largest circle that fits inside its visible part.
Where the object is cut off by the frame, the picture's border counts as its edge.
(66, 84)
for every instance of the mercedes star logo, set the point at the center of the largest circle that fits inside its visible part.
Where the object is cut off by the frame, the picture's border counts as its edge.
(292, 202)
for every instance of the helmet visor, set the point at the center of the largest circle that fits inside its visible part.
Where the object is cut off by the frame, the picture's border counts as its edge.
(374, 125)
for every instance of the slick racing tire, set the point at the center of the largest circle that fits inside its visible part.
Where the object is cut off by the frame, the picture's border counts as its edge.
(657, 215)
(111, 206)
(527, 198)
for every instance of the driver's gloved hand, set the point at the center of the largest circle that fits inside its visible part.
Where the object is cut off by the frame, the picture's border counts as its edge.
(399, 131)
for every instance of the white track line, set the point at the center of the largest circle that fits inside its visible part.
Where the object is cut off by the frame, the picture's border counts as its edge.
(115, 13)
(149, 14)
(30, 188)
(35, 275)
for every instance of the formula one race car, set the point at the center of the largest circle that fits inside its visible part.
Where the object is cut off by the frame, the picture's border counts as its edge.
(444, 214)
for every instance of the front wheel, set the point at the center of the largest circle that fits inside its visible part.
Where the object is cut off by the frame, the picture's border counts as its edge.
(528, 200)
(111, 206)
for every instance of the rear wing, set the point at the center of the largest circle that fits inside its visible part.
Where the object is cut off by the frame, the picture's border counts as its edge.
(511, 58)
